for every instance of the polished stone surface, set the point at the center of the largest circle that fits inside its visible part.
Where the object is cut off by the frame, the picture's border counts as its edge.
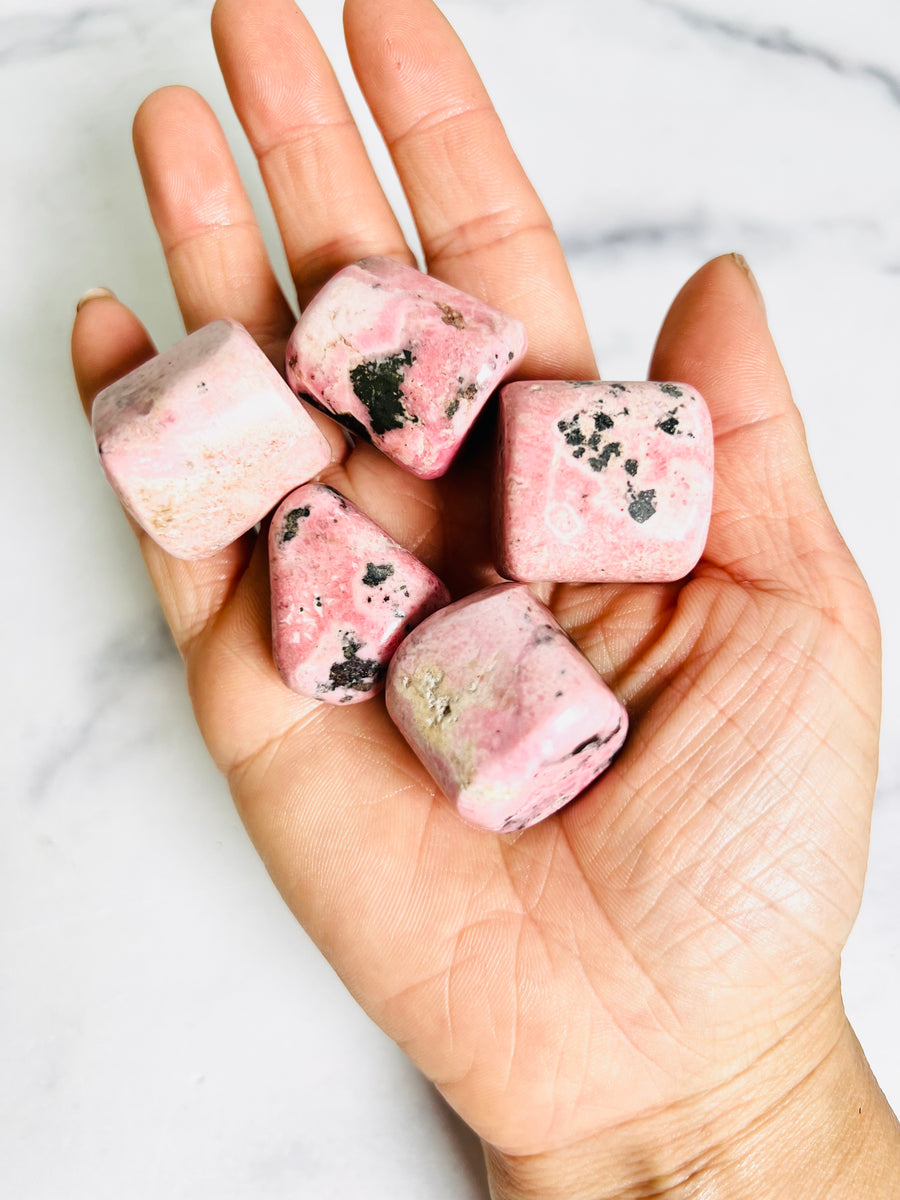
(508, 716)
(202, 441)
(166, 1030)
(344, 595)
(602, 482)
(402, 359)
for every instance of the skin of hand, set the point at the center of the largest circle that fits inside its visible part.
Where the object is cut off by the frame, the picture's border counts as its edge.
(639, 996)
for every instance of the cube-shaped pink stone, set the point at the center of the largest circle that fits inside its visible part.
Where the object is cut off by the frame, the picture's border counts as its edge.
(602, 481)
(200, 442)
(344, 595)
(402, 359)
(508, 716)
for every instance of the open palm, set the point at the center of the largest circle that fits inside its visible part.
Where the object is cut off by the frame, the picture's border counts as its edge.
(677, 921)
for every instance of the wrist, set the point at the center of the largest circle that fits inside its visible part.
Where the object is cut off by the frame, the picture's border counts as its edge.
(806, 1122)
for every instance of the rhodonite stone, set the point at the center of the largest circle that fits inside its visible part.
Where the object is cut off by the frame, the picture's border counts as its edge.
(344, 595)
(602, 481)
(203, 440)
(507, 715)
(402, 359)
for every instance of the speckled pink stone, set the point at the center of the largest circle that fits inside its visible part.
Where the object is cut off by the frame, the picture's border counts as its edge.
(344, 595)
(402, 358)
(602, 481)
(507, 715)
(203, 440)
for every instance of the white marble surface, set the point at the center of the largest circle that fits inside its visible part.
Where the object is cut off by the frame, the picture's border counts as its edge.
(165, 1029)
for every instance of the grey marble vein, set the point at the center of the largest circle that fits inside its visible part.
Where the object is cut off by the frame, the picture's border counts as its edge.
(639, 234)
(122, 661)
(783, 41)
(35, 35)
(29, 35)
(694, 230)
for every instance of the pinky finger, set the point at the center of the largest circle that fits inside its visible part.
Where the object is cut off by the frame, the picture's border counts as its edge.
(108, 341)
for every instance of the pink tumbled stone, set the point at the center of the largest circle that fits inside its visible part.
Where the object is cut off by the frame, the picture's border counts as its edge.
(403, 359)
(507, 715)
(602, 481)
(344, 595)
(203, 440)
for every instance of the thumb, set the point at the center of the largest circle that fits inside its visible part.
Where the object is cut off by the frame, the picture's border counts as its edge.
(770, 524)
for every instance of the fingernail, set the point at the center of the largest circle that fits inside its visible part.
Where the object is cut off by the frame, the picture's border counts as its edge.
(95, 293)
(745, 267)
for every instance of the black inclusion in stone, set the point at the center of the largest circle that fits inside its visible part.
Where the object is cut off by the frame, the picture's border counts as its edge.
(600, 462)
(571, 431)
(337, 495)
(585, 745)
(377, 573)
(291, 521)
(642, 506)
(669, 424)
(377, 385)
(602, 421)
(360, 674)
(596, 740)
(631, 466)
(598, 423)
(671, 390)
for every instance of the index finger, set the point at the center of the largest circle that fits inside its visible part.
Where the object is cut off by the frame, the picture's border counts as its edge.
(483, 228)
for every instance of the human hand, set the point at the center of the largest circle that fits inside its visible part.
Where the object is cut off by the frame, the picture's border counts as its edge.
(671, 940)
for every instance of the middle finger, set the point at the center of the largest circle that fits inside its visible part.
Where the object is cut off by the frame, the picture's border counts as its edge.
(327, 199)
(482, 226)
